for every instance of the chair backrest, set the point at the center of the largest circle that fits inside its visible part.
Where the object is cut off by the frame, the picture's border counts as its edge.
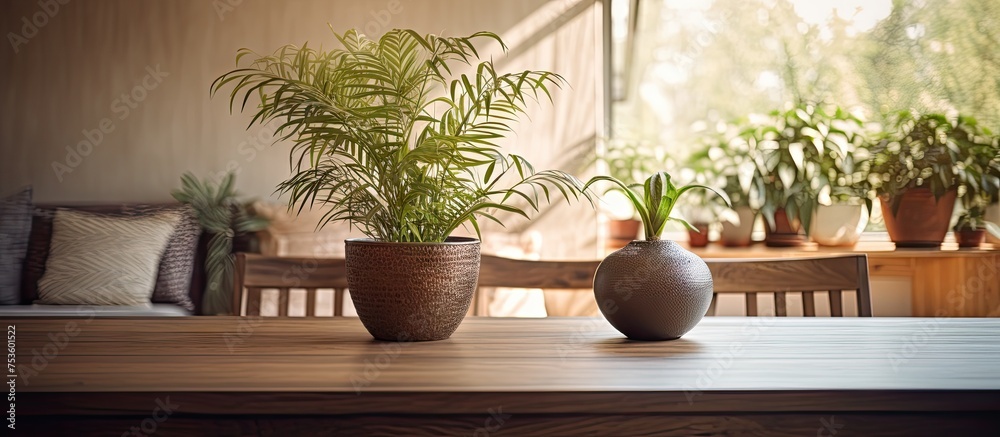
(780, 276)
(254, 273)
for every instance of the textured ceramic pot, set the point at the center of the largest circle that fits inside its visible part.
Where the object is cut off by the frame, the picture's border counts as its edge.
(739, 235)
(838, 225)
(785, 233)
(922, 220)
(653, 290)
(412, 291)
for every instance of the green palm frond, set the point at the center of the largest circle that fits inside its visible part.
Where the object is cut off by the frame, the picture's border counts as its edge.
(393, 138)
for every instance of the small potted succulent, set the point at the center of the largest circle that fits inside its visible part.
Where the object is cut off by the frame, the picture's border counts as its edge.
(394, 143)
(653, 289)
(918, 166)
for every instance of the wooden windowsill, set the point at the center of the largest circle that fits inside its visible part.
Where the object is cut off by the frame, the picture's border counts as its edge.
(873, 248)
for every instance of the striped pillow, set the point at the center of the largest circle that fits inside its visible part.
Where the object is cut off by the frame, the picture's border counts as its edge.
(102, 260)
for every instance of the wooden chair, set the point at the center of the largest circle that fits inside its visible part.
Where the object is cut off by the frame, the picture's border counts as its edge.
(254, 273)
(744, 276)
(779, 276)
(803, 275)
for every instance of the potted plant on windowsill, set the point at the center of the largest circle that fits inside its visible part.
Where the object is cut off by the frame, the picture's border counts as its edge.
(728, 158)
(980, 186)
(845, 194)
(653, 289)
(787, 150)
(918, 169)
(395, 143)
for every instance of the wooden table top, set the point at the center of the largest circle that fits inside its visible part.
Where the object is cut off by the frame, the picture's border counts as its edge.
(511, 355)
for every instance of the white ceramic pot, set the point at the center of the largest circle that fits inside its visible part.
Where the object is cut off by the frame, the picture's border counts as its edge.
(738, 235)
(838, 225)
(993, 215)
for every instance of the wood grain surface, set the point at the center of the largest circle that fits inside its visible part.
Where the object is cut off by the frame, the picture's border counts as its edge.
(558, 376)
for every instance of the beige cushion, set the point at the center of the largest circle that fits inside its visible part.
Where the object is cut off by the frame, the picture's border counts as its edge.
(104, 260)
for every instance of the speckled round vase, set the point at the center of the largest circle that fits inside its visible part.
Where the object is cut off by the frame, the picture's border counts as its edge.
(412, 291)
(653, 290)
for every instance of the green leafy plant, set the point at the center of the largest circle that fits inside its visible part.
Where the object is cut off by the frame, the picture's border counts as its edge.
(937, 152)
(802, 150)
(391, 137)
(225, 217)
(655, 201)
(973, 219)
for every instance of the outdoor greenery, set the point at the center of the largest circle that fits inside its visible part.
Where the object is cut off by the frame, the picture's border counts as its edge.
(654, 200)
(224, 217)
(697, 64)
(393, 138)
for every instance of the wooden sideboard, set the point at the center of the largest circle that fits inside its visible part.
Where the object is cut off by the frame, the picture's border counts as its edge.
(945, 282)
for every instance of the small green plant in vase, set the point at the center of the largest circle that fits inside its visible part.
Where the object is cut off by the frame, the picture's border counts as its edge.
(653, 289)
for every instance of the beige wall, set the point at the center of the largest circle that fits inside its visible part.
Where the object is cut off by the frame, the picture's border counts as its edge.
(72, 77)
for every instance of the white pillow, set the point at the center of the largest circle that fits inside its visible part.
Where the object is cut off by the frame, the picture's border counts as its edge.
(104, 260)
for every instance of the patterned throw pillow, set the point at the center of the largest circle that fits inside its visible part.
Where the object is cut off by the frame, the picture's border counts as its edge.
(173, 282)
(102, 260)
(15, 227)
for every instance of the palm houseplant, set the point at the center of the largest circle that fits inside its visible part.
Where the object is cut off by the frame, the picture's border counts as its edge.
(225, 218)
(918, 166)
(395, 141)
(653, 289)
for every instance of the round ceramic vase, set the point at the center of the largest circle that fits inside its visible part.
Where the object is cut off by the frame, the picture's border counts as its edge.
(653, 290)
(412, 291)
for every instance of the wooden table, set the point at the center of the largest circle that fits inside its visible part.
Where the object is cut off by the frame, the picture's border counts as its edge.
(572, 377)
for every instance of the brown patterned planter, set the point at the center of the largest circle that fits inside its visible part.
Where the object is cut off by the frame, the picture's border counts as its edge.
(653, 290)
(922, 220)
(412, 291)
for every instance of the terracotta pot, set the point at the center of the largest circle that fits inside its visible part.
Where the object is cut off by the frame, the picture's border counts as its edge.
(412, 291)
(621, 232)
(739, 235)
(970, 238)
(785, 232)
(700, 238)
(837, 225)
(653, 290)
(921, 220)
